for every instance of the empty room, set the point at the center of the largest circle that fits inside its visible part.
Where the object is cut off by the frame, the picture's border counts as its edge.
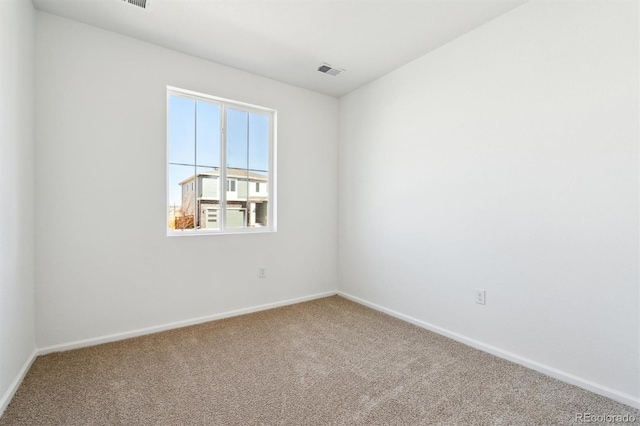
(310, 212)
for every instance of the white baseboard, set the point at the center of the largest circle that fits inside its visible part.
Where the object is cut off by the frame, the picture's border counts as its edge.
(8, 395)
(178, 324)
(544, 369)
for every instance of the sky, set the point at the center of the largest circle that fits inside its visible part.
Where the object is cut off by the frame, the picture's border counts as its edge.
(197, 146)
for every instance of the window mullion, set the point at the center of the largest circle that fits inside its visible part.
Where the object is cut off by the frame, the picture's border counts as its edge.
(196, 207)
(247, 210)
(222, 216)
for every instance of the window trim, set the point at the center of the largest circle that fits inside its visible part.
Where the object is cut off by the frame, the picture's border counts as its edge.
(224, 103)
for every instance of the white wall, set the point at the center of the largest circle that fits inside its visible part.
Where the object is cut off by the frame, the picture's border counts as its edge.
(506, 160)
(104, 263)
(17, 334)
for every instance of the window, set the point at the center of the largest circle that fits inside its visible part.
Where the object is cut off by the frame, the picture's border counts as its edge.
(210, 142)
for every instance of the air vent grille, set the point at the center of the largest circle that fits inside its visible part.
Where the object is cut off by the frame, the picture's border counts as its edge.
(328, 69)
(139, 3)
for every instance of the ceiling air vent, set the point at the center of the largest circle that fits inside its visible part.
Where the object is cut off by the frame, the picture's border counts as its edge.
(328, 69)
(139, 3)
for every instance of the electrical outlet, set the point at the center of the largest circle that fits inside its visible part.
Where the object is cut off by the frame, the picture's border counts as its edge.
(481, 296)
(262, 272)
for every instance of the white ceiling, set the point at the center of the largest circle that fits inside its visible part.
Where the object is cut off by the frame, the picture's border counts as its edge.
(286, 40)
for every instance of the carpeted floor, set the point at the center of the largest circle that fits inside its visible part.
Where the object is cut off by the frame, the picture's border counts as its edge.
(324, 362)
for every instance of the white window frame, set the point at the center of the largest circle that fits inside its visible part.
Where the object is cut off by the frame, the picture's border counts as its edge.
(271, 179)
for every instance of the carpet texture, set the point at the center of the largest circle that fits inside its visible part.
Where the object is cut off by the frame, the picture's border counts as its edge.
(324, 362)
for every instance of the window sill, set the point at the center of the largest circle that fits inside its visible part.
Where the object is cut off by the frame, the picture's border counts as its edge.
(193, 233)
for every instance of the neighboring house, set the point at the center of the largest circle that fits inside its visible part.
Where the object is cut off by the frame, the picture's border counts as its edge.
(247, 198)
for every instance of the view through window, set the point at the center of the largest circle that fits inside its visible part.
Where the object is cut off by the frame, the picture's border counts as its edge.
(205, 194)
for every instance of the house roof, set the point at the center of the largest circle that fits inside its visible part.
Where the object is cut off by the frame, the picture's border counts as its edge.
(232, 173)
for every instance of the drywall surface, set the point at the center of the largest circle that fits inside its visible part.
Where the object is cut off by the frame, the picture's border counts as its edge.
(104, 263)
(506, 160)
(17, 328)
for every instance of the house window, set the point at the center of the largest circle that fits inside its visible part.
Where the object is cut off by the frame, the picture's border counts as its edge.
(211, 141)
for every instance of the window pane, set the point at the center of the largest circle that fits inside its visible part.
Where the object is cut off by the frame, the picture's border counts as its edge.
(258, 199)
(258, 170)
(237, 190)
(237, 138)
(181, 197)
(248, 162)
(208, 135)
(258, 143)
(181, 130)
(208, 202)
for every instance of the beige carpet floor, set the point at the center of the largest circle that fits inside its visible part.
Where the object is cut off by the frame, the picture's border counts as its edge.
(324, 362)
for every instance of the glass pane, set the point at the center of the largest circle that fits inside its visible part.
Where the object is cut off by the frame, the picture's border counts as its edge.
(259, 143)
(258, 200)
(248, 164)
(208, 202)
(208, 135)
(181, 130)
(181, 197)
(237, 194)
(258, 197)
(237, 138)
